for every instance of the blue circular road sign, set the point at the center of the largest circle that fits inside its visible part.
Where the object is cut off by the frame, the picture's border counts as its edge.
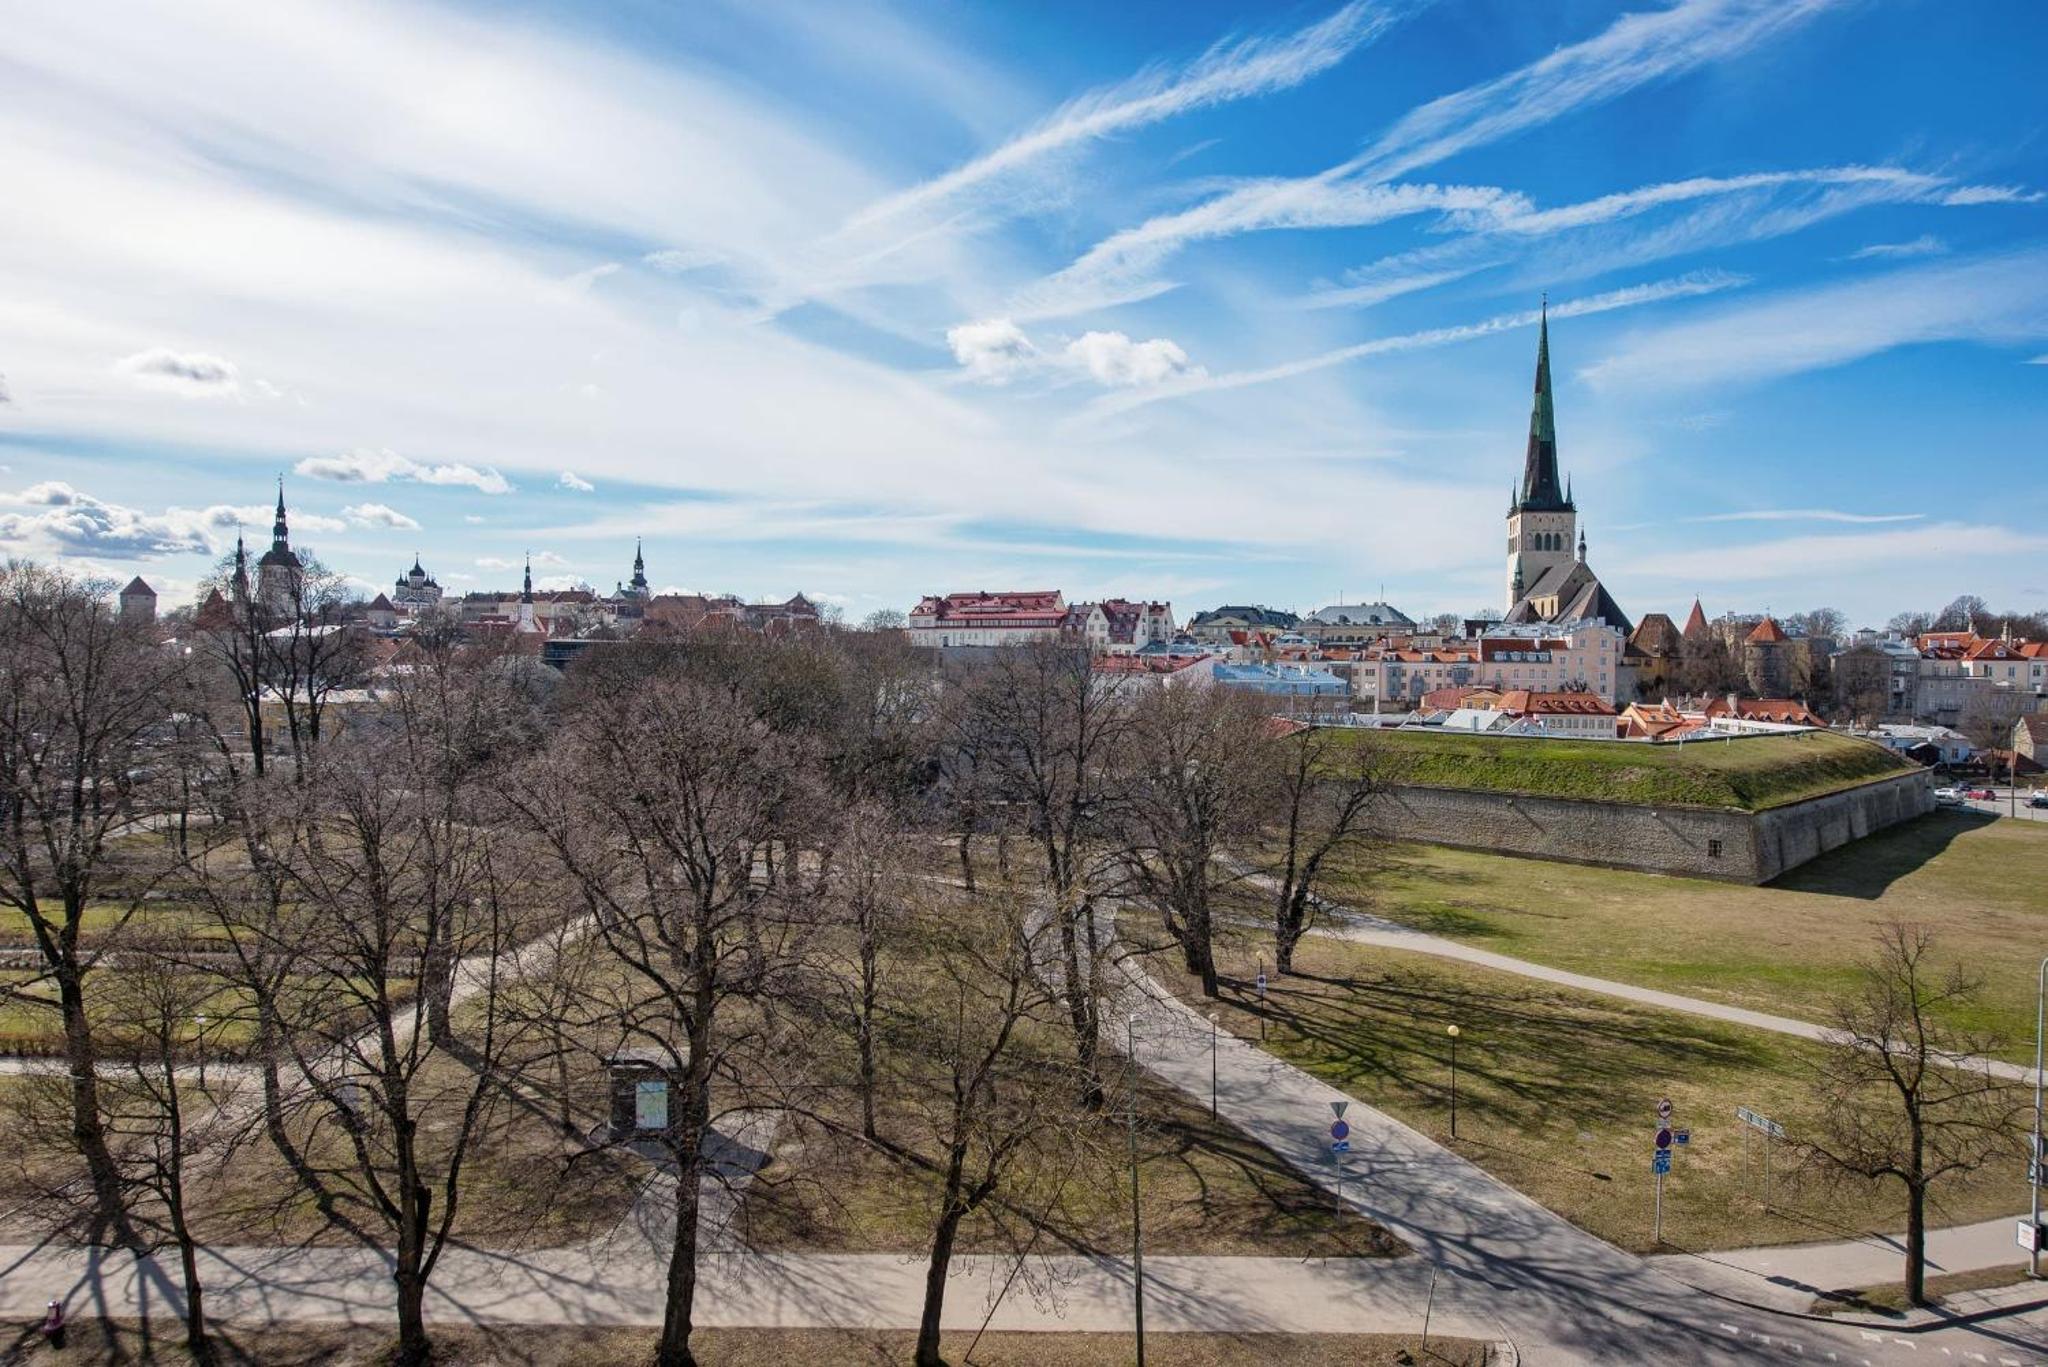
(1340, 1130)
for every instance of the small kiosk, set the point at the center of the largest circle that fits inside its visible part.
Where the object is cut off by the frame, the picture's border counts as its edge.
(643, 1085)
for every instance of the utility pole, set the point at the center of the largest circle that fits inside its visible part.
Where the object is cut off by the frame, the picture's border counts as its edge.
(1137, 1227)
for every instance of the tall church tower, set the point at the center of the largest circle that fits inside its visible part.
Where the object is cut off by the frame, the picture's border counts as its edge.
(1543, 522)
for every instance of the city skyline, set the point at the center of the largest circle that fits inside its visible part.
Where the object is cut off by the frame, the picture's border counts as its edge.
(1215, 305)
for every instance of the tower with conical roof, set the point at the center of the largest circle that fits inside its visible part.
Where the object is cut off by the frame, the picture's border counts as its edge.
(279, 571)
(1543, 522)
(637, 585)
(526, 625)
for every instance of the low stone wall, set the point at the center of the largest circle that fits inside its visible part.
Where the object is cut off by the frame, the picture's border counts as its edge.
(1701, 842)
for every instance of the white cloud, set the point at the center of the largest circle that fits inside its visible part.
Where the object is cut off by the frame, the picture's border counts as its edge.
(1231, 70)
(366, 466)
(1115, 360)
(569, 479)
(69, 521)
(379, 515)
(1927, 244)
(546, 559)
(1999, 299)
(994, 350)
(192, 373)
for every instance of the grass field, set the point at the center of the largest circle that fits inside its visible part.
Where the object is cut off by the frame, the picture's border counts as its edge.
(1752, 772)
(1557, 1093)
(1207, 1190)
(1784, 948)
(549, 1345)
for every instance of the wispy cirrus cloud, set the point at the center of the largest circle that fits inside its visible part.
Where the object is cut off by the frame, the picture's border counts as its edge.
(1635, 50)
(1234, 69)
(2001, 298)
(367, 466)
(1927, 244)
(1822, 557)
(1804, 515)
(1686, 286)
(1728, 210)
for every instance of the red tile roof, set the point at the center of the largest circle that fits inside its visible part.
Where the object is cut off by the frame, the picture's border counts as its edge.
(1766, 632)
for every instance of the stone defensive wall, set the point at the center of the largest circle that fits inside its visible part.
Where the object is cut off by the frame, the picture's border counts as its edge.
(1727, 843)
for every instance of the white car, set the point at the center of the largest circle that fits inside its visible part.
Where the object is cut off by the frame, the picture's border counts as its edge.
(1948, 797)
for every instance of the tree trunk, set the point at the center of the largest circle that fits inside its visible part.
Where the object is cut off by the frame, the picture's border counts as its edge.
(865, 1037)
(414, 1348)
(937, 1268)
(437, 981)
(673, 1349)
(87, 1131)
(1916, 1244)
(967, 859)
(1078, 1005)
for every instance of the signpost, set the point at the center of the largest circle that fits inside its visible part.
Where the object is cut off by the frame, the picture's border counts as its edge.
(1767, 1129)
(1340, 1144)
(1262, 1001)
(1660, 1163)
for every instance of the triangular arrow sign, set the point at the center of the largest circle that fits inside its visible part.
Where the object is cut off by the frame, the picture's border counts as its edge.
(1338, 1108)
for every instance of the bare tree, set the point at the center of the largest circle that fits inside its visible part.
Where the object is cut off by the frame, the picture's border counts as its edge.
(666, 785)
(1328, 780)
(982, 1079)
(84, 696)
(1049, 727)
(1198, 782)
(1905, 1096)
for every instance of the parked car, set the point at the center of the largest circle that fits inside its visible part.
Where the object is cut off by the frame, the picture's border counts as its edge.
(1948, 797)
(1981, 794)
(2038, 800)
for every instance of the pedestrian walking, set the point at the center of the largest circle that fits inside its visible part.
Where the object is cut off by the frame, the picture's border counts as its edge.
(53, 1326)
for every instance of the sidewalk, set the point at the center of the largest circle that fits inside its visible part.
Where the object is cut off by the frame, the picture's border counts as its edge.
(1793, 1274)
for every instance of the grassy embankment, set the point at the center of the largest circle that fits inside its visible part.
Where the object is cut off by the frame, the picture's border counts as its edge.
(1752, 773)
(1786, 948)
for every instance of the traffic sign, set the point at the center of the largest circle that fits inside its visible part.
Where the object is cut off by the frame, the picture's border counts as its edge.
(1664, 1111)
(1262, 985)
(1337, 1108)
(1663, 1140)
(2028, 1235)
(1340, 1130)
(2035, 1174)
(1760, 1122)
(1340, 1146)
(1660, 1162)
(1681, 1136)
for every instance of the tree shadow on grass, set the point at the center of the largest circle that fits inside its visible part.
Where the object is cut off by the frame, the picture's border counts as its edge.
(1867, 868)
(1525, 1054)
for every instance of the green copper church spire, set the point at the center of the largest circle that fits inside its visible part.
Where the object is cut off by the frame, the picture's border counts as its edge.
(1540, 489)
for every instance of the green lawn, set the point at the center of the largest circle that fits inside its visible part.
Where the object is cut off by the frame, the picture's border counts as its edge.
(1557, 1093)
(1751, 772)
(1784, 948)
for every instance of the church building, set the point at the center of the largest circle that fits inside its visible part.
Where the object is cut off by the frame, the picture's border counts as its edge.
(1548, 577)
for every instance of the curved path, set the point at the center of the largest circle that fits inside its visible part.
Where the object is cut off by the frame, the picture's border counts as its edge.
(1559, 1294)
(1361, 928)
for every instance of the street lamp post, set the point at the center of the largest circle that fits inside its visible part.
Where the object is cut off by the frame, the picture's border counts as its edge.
(1212, 1066)
(1452, 1031)
(1137, 1228)
(2034, 1157)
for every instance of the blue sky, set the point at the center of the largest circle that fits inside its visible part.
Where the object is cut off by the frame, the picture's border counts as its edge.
(1210, 302)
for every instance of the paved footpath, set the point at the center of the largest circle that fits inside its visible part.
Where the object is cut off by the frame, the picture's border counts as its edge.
(1558, 1293)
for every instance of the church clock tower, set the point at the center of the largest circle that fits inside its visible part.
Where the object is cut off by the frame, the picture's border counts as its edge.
(1543, 523)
